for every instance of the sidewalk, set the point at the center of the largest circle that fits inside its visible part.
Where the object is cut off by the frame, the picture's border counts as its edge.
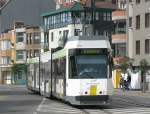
(132, 93)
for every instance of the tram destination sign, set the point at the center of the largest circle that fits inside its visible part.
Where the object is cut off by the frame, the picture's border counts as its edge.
(88, 51)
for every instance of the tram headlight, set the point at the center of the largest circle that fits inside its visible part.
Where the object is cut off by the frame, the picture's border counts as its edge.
(86, 92)
(100, 92)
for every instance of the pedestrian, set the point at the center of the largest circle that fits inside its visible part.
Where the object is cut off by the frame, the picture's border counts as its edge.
(128, 81)
(122, 82)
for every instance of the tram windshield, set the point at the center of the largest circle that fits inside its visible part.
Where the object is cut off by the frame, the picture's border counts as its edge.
(88, 66)
(91, 66)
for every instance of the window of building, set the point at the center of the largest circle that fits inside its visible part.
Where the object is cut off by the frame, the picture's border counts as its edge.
(52, 36)
(147, 20)
(19, 39)
(36, 53)
(138, 22)
(36, 38)
(77, 32)
(130, 21)
(5, 60)
(19, 75)
(5, 45)
(19, 54)
(138, 47)
(20, 34)
(147, 46)
(138, 1)
(104, 16)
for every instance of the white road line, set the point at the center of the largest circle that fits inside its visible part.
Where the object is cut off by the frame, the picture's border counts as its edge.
(56, 108)
(61, 111)
(95, 111)
(66, 110)
(141, 113)
(130, 111)
(40, 105)
(59, 108)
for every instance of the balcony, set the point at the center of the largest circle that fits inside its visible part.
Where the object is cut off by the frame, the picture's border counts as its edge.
(119, 15)
(5, 36)
(32, 46)
(119, 38)
(5, 53)
(20, 46)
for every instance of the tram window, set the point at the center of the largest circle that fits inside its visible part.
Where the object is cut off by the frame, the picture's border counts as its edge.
(59, 67)
(91, 66)
(72, 68)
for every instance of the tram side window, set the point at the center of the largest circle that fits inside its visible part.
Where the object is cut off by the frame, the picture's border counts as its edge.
(72, 68)
(59, 67)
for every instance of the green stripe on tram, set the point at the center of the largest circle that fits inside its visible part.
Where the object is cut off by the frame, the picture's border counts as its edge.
(32, 60)
(59, 54)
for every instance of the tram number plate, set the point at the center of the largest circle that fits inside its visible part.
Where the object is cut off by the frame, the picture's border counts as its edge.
(93, 90)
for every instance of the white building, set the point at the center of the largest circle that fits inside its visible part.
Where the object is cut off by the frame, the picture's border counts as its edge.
(75, 20)
(139, 30)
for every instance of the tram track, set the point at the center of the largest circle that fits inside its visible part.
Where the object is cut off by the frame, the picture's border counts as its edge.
(116, 103)
(131, 101)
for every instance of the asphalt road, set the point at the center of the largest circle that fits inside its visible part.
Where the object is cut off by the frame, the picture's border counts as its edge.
(17, 100)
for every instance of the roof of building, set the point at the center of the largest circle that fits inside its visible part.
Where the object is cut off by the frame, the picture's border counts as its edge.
(74, 7)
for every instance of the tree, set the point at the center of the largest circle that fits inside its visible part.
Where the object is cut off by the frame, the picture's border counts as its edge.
(124, 67)
(143, 69)
(125, 63)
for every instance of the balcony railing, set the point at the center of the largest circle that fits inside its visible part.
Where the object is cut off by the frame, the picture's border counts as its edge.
(33, 46)
(5, 36)
(5, 53)
(119, 38)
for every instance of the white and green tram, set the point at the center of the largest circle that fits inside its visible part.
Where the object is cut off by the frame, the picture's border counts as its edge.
(80, 73)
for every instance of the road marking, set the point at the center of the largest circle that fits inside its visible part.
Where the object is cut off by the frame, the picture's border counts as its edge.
(136, 110)
(55, 107)
(95, 111)
(61, 111)
(64, 109)
(40, 105)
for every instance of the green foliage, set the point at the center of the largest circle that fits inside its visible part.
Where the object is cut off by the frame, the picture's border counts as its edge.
(124, 67)
(17, 67)
(143, 66)
(126, 63)
(46, 49)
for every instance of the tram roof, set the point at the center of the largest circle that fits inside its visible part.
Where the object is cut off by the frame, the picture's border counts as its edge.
(88, 42)
(84, 37)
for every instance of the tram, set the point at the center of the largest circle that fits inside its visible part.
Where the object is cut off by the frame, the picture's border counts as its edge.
(33, 74)
(80, 73)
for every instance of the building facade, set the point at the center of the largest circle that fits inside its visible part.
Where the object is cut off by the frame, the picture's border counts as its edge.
(16, 46)
(75, 20)
(7, 56)
(119, 36)
(139, 30)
